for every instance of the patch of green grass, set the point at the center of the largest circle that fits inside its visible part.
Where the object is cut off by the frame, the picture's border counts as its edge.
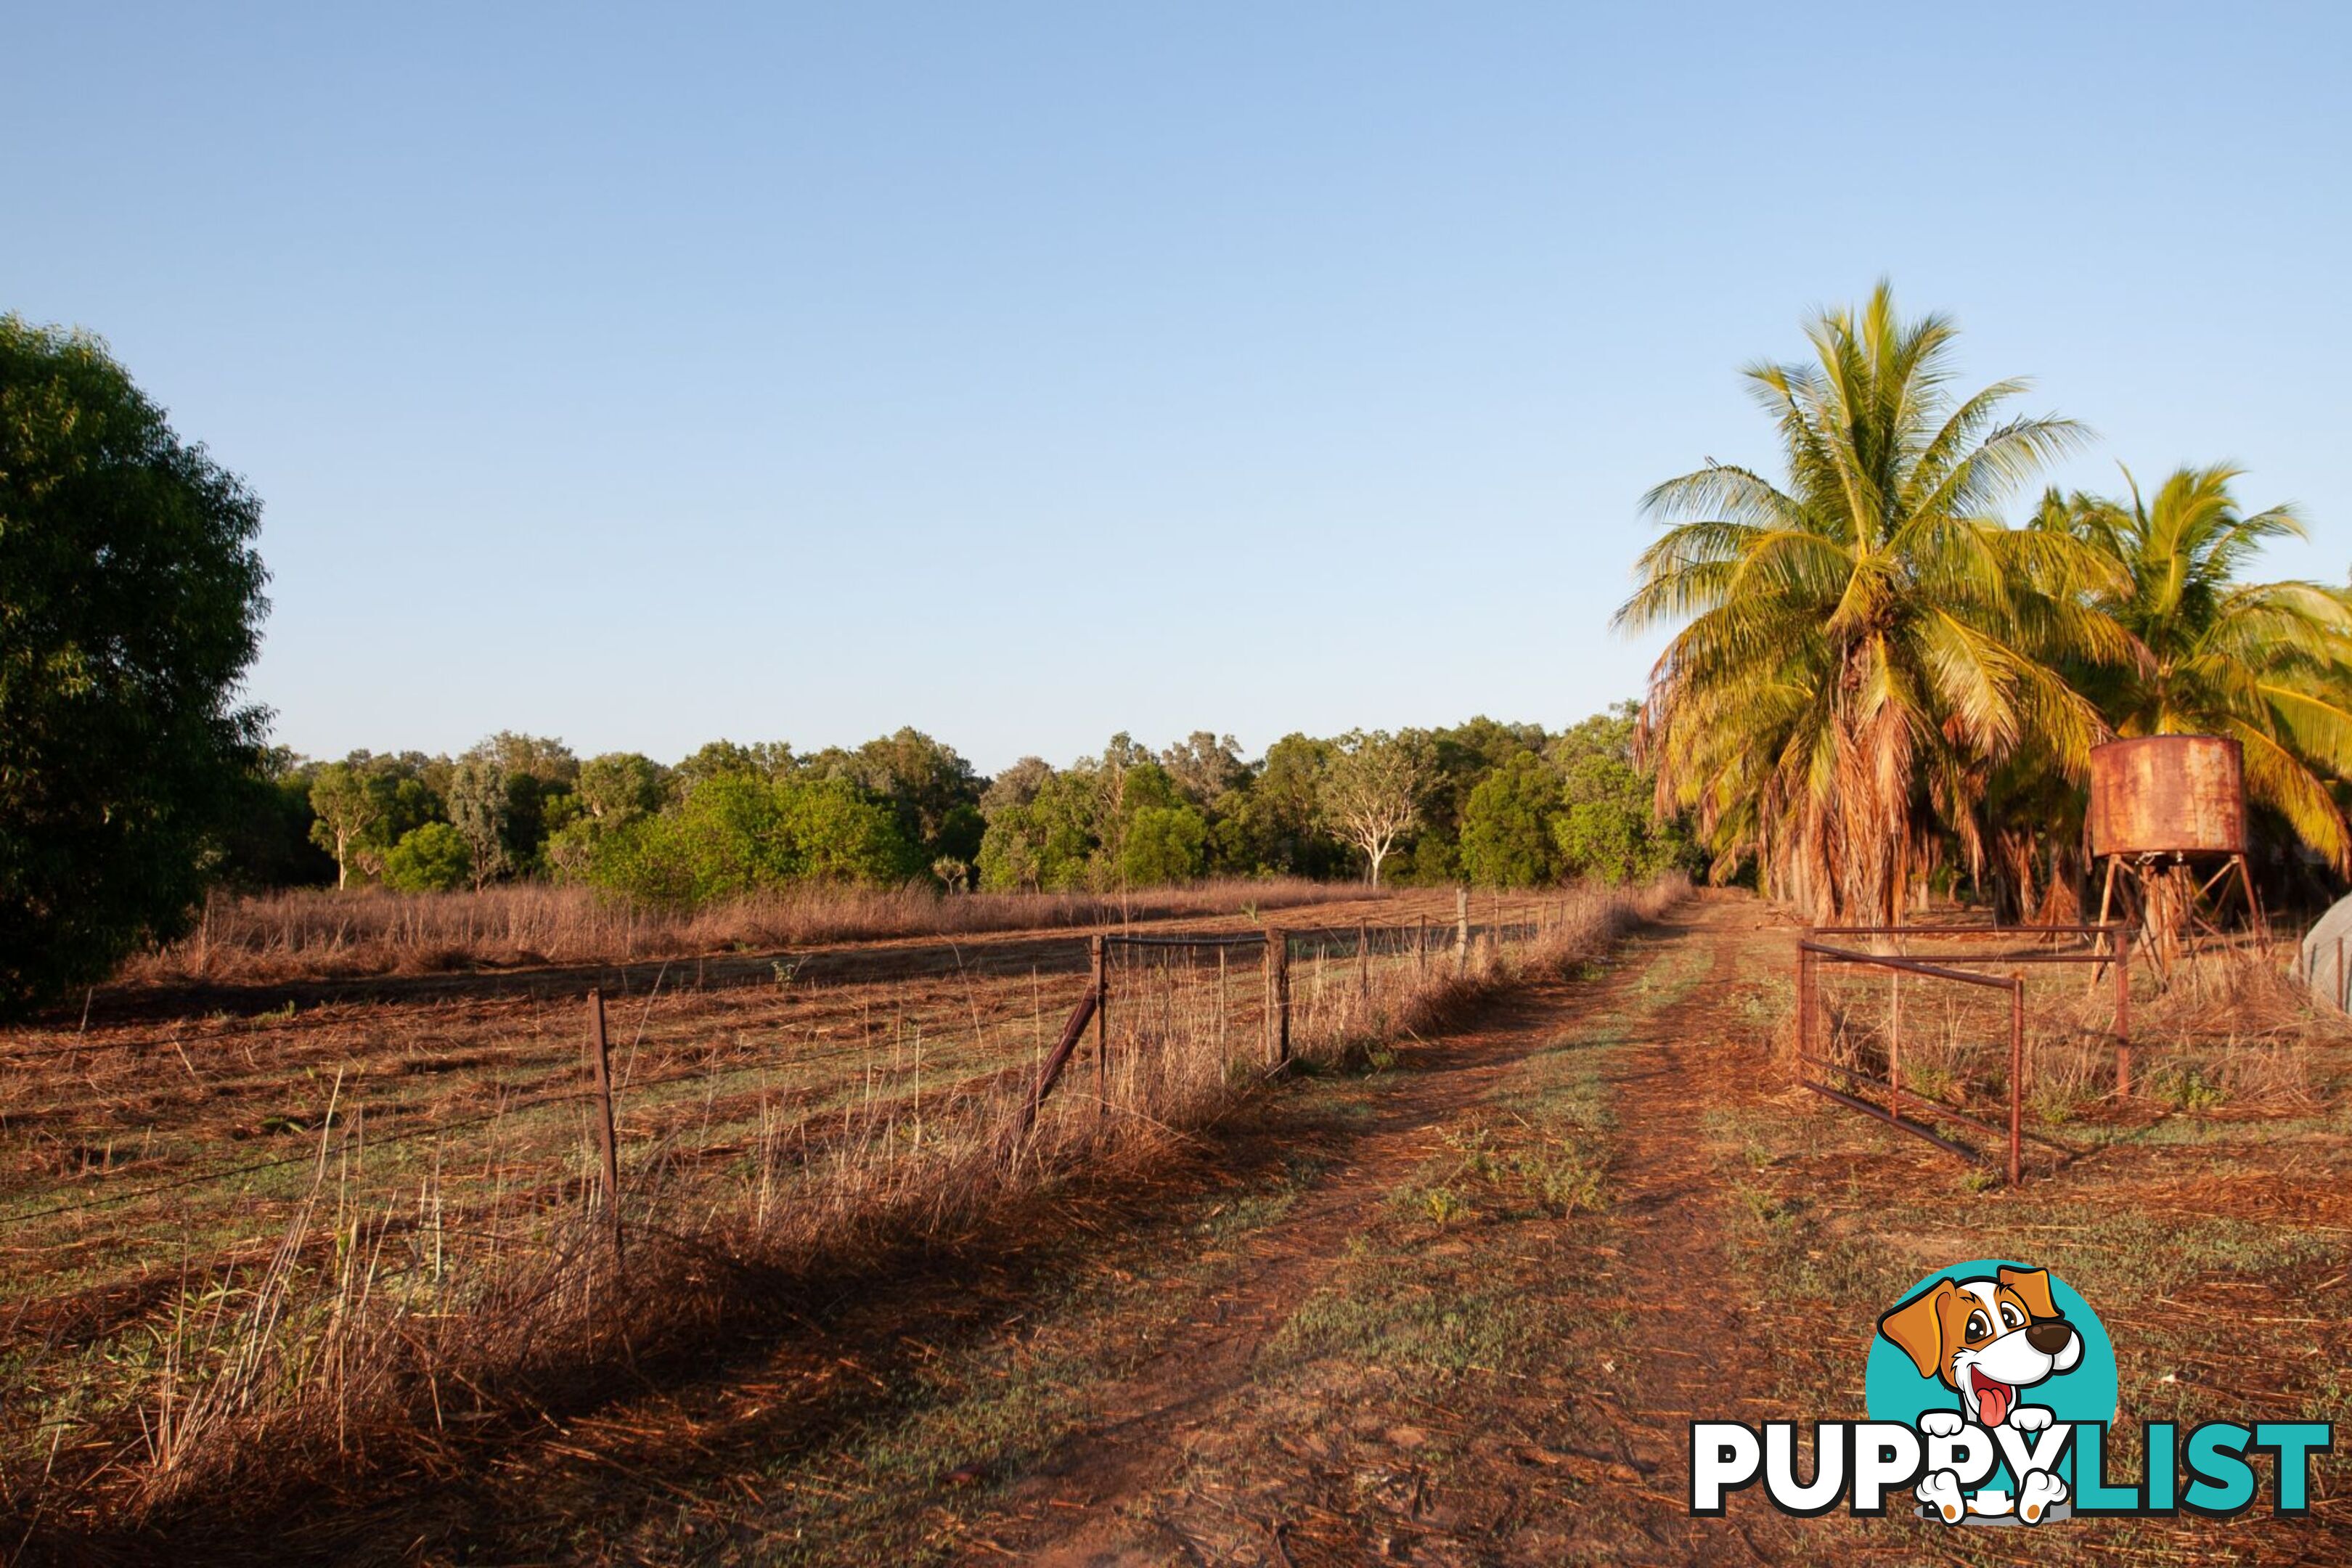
(1933, 1083)
(1536, 1153)
(2185, 1089)
(1393, 1310)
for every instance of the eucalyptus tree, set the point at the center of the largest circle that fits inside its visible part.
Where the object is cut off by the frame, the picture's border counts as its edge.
(1370, 791)
(1865, 641)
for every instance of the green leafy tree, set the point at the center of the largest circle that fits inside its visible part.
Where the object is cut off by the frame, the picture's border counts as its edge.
(1460, 759)
(736, 834)
(618, 787)
(1277, 823)
(365, 803)
(1206, 767)
(722, 759)
(1165, 844)
(480, 809)
(1867, 640)
(931, 790)
(131, 602)
(269, 844)
(1147, 786)
(1507, 839)
(541, 774)
(433, 858)
(1045, 835)
(1608, 829)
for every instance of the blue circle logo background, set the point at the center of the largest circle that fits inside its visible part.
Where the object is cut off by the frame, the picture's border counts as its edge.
(1892, 1390)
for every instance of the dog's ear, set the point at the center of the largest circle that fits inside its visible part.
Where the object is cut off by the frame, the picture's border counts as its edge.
(2033, 1284)
(1916, 1327)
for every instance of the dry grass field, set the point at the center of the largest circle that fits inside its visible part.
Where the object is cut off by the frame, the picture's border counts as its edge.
(251, 1254)
(307, 936)
(1447, 1293)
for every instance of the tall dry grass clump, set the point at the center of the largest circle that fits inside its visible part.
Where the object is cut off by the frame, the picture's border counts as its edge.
(392, 1323)
(319, 934)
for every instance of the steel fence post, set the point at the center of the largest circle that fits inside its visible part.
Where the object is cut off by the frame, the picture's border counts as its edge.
(2016, 1078)
(2122, 1016)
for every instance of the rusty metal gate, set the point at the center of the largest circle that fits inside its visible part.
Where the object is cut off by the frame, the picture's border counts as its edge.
(1833, 1063)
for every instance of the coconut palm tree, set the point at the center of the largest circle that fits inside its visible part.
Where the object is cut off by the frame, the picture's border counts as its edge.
(2268, 664)
(1867, 640)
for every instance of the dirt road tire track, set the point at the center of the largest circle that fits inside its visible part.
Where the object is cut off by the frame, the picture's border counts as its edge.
(1686, 1348)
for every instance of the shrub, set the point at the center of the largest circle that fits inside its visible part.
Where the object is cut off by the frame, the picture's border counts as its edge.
(428, 859)
(1610, 830)
(738, 834)
(1508, 826)
(1164, 844)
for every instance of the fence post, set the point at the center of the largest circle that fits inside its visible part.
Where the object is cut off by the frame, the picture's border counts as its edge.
(2016, 1078)
(1363, 959)
(1894, 1046)
(600, 1064)
(1277, 996)
(1807, 968)
(1461, 931)
(1102, 1029)
(2123, 1015)
(1420, 949)
(1222, 995)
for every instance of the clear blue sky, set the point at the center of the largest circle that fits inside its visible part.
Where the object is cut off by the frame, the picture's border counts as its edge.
(1028, 373)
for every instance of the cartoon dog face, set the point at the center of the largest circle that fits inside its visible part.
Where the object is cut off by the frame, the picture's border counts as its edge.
(1986, 1339)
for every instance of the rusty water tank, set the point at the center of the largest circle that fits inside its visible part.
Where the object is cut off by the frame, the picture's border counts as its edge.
(2166, 795)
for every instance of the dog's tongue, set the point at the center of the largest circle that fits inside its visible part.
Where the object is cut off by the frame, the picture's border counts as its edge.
(1992, 1400)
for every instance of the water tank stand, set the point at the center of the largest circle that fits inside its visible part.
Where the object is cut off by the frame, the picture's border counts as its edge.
(2160, 928)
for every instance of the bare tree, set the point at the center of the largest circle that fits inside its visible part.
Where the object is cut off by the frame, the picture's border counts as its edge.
(1370, 791)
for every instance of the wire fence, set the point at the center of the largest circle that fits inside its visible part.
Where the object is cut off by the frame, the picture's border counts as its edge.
(214, 1224)
(2028, 1047)
(118, 1124)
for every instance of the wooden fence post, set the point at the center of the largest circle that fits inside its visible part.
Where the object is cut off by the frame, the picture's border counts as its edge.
(1102, 1029)
(1461, 931)
(1277, 998)
(1363, 959)
(600, 1065)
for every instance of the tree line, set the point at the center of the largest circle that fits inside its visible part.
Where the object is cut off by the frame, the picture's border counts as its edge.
(135, 776)
(1488, 803)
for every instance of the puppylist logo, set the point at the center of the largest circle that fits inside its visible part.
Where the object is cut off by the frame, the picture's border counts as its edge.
(1990, 1387)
